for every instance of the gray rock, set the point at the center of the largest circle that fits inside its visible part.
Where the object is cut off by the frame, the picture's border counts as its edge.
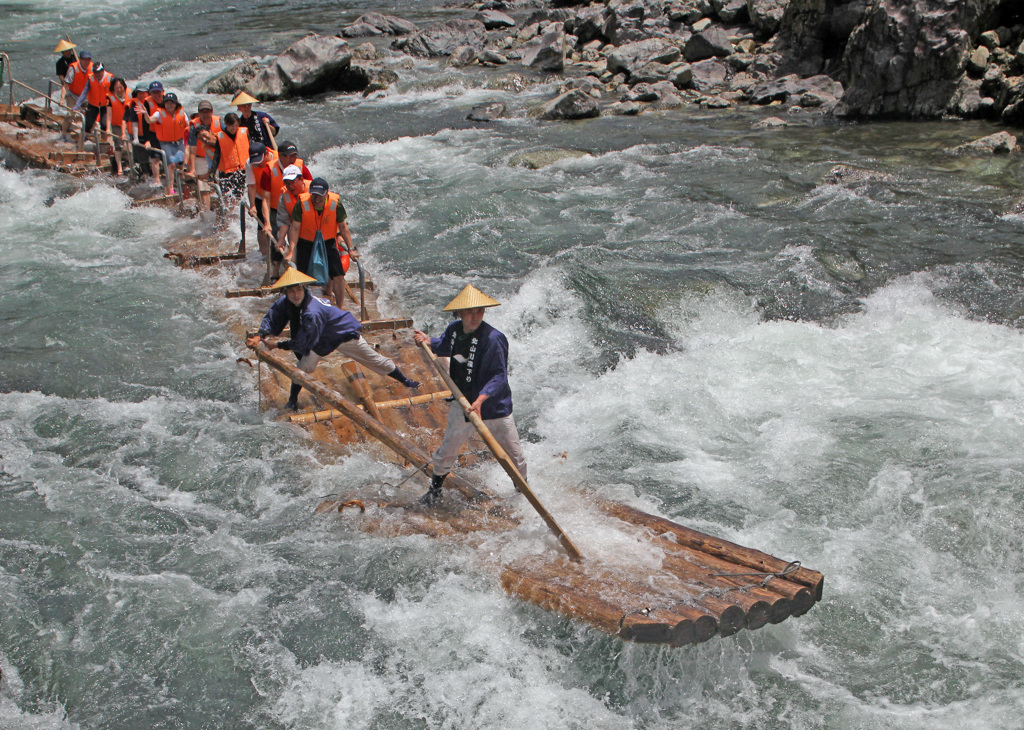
(846, 175)
(766, 15)
(487, 112)
(842, 266)
(365, 52)
(977, 62)
(632, 56)
(708, 44)
(731, 11)
(491, 58)
(441, 38)
(793, 86)
(575, 104)
(708, 74)
(770, 123)
(537, 159)
(462, 56)
(589, 24)
(310, 66)
(682, 75)
(234, 79)
(1000, 143)
(548, 53)
(642, 92)
(990, 39)
(625, 108)
(494, 20)
(378, 24)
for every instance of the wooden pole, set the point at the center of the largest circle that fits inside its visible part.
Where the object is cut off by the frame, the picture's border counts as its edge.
(330, 414)
(358, 382)
(401, 446)
(502, 457)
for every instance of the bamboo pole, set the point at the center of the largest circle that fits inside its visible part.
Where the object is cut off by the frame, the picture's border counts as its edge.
(185, 259)
(502, 457)
(723, 549)
(330, 414)
(358, 382)
(401, 446)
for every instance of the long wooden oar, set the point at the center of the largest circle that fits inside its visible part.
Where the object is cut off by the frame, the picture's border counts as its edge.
(502, 456)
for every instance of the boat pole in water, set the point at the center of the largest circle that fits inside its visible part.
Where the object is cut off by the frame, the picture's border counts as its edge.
(502, 457)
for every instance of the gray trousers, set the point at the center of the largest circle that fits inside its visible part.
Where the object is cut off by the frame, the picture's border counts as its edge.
(358, 350)
(458, 431)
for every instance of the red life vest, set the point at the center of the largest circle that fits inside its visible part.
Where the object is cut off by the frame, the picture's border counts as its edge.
(234, 153)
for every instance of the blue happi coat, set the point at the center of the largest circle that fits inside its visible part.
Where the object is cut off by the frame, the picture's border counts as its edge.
(486, 367)
(315, 325)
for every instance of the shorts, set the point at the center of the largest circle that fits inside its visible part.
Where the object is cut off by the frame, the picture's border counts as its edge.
(304, 249)
(232, 184)
(175, 152)
(91, 114)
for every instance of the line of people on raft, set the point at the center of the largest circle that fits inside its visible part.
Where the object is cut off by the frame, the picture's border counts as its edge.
(239, 152)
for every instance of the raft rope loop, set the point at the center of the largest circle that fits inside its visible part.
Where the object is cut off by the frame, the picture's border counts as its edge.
(410, 476)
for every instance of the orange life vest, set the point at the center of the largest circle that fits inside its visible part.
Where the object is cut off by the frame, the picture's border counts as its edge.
(277, 182)
(326, 222)
(80, 78)
(290, 200)
(117, 107)
(234, 153)
(269, 161)
(99, 89)
(170, 128)
(214, 128)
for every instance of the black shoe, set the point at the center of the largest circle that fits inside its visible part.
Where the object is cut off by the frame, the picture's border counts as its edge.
(292, 405)
(433, 494)
(411, 384)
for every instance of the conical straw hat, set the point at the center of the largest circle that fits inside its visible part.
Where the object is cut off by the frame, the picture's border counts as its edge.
(63, 46)
(291, 278)
(244, 97)
(470, 298)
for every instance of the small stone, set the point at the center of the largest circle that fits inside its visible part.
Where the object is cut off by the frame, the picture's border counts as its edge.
(701, 25)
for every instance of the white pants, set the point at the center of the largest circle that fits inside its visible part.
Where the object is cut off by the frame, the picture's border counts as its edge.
(458, 431)
(358, 350)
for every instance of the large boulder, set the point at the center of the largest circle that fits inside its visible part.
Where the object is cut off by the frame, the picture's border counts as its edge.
(792, 88)
(765, 15)
(234, 79)
(574, 104)
(310, 66)
(443, 37)
(708, 74)
(708, 44)
(589, 24)
(1000, 143)
(633, 56)
(546, 53)
(371, 24)
(813, 34)
(495, 19)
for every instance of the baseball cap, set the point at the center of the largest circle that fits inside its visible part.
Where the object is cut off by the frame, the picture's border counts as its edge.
(205, 105)
(256, 151)
(84, 54)
(287, 148)
(156, 86)
(319, 186)
(292, 172)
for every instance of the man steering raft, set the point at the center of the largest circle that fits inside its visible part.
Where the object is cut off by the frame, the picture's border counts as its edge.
(479, 367)
(317, 329)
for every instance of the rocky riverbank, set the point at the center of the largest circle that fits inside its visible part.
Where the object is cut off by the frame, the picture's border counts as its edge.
(862, 59)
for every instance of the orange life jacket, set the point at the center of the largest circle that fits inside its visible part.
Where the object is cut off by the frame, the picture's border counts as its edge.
(80, 78)
(215, 128)
(171, 128)
(117, 107)
(277, 182)
(290, 200)
(99, 89)
(269, 161)
(326, 222)
(234, 153)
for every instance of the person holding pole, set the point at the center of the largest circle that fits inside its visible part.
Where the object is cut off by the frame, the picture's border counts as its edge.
(479, 368)
(317, 329)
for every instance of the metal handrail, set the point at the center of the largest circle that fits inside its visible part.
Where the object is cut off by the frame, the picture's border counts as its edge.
(12, 81)
(163, 155)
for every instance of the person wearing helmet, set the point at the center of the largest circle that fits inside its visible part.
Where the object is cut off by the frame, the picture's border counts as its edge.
(479, 367)
(316, 330)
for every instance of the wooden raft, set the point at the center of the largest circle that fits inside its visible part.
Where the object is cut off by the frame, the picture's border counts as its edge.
(704, 586)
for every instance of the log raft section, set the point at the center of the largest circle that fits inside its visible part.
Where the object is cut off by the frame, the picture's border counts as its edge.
(704, 586)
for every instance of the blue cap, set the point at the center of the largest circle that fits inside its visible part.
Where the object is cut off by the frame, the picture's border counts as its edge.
(256, 151)
(156, 86)
(171, 96)
(84, 54)
(318, 187)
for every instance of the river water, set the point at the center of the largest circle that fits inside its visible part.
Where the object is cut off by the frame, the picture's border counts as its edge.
(700, 325)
